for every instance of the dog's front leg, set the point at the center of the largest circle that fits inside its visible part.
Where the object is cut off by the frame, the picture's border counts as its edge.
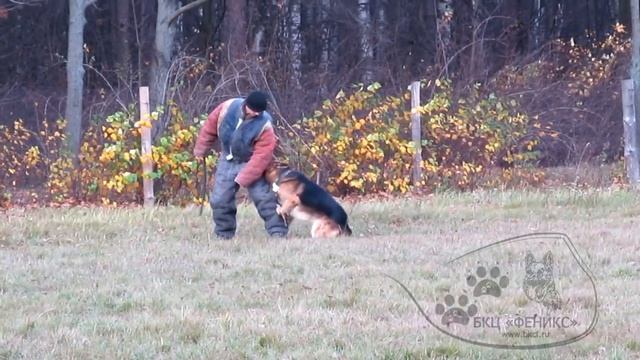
(287, 206)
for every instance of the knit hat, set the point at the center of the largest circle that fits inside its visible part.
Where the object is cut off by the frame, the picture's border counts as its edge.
(257, 101)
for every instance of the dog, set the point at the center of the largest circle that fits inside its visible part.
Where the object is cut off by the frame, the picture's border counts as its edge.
(300, 198)
(539, 284)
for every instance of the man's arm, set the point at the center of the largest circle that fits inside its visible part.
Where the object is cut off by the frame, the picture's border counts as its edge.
(209, 133)
(261, 158)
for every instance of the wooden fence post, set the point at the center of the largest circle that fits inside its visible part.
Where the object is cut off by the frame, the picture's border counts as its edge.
(416, 128)
(631, 156)
(146, 156)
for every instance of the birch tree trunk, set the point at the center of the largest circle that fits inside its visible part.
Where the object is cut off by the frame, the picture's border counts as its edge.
(296, 43)
(366, 49)
(327, 36)
(258, 41)
(635, 55)
(163, 49)
(162, 55)
(75, 76)
(381, 33)
(326, 46)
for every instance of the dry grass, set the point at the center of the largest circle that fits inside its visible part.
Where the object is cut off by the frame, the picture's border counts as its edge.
(100, 283)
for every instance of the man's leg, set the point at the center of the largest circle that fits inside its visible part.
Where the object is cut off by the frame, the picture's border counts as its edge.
(223, 200)
(265, 201)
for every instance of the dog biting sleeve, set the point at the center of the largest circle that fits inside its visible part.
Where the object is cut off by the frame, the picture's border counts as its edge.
(261, 158)
(209, 132)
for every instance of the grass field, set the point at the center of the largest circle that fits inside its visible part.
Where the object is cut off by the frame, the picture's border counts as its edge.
(128, 283)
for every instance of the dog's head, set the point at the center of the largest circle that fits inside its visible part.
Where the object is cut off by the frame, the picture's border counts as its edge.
(280, 173)
(276, 173)
(275, 169)
(271, 174)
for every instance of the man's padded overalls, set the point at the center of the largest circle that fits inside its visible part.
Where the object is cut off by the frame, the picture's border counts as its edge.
(247, 150)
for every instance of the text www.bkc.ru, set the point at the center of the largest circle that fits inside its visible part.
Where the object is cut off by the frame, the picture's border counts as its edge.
(526, 334)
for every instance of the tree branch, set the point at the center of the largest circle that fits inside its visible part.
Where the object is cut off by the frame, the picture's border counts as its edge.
(185, 8)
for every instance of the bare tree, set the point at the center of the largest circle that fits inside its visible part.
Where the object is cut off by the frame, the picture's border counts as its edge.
(326, 55)
(635, 56)
(235, 29)
(429, 11)
(75, 76)
(443, 29)
(462, 37)
(164, 45)
(162, 53)
(12, 4)
(366, 46)
(295, 37)
(381, 31)
(121, 38)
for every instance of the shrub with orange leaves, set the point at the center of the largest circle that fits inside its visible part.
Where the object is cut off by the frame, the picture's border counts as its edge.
(28, 155)
(174, 165)
(361, 141)
(109, 164)
(574, 90)
(358, 142)
(467, 136)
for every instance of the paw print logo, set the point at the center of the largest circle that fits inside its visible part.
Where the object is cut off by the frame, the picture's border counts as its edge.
(456, 314)
(483, 285)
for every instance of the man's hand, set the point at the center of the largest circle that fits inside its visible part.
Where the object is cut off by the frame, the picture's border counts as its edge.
(239, 180)
(198, 155)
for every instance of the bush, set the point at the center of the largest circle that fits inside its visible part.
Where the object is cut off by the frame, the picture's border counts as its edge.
(553, 110)
(357, 142)
(109, 164)
(28, 156)
(574, 90)
(470, 135)
(361, 142)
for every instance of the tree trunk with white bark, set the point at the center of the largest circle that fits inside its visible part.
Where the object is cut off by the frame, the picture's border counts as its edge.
(635, 56)
(366, 46)
(75, 76)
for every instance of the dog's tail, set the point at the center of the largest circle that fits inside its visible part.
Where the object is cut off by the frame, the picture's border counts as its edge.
(339, 216)
(346, 230)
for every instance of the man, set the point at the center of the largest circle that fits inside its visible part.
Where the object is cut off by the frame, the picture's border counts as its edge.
(247, 141)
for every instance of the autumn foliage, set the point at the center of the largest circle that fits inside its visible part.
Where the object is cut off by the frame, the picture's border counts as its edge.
(361, 141)
(476, 136)
(109, 170)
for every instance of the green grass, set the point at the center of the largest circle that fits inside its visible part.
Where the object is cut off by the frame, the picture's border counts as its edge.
(148, 284)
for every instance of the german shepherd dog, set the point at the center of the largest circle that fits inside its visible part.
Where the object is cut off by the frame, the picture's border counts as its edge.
(300, 198)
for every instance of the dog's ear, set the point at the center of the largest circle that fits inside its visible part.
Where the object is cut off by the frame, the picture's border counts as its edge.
(286, 174)
(548, 259)
(529, 259)
(272, 173)
(281, 172)
(282, 164)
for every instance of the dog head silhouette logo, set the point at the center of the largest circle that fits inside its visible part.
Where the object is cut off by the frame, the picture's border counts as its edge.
(539, 284)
